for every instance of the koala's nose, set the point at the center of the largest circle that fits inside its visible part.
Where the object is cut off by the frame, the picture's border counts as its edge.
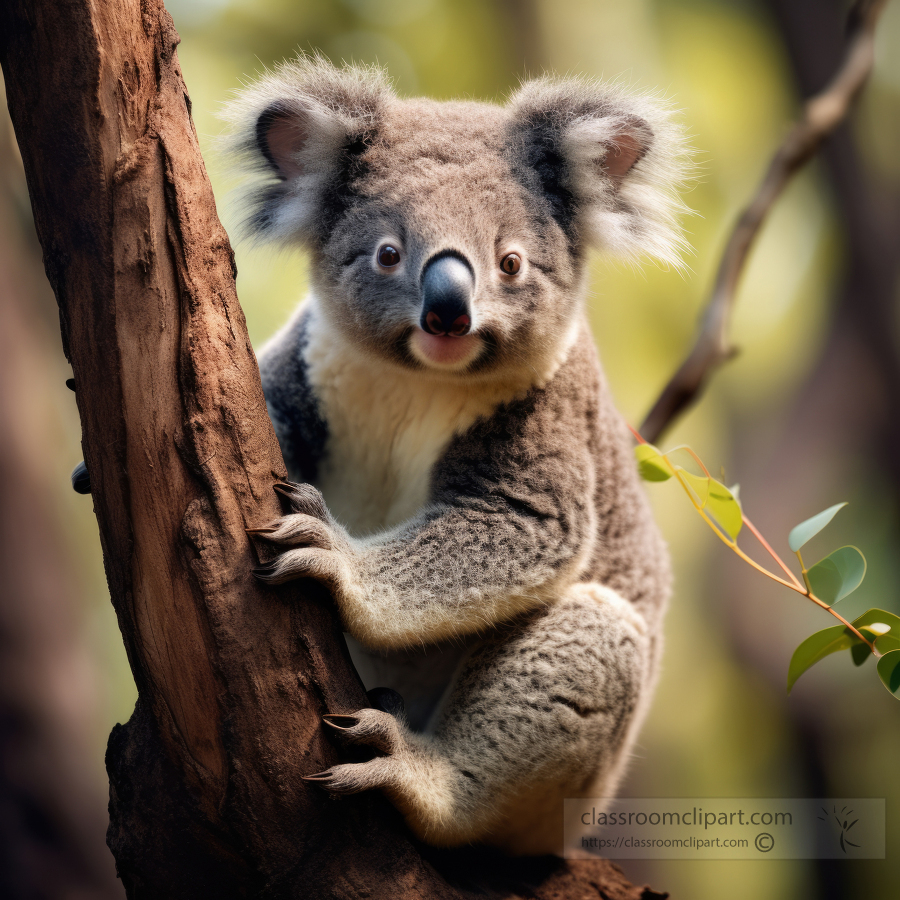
(448, 284)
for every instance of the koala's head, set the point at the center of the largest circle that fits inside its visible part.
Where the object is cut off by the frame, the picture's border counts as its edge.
(452, 237)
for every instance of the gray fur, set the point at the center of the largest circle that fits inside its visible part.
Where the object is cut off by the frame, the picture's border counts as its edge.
(483, 530)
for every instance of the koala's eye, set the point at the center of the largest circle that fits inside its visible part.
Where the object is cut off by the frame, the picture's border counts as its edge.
(388, 256)
(511, 263)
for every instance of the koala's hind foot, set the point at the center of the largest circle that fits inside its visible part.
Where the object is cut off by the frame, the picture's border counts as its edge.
(412, 773)
(541, 711)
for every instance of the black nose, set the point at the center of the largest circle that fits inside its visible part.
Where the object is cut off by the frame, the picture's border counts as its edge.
(448, 284)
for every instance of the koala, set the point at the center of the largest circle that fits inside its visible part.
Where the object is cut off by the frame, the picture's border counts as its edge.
(465, 487)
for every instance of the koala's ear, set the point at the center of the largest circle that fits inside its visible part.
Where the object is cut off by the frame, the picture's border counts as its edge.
(281, 134)
(610, 164)
(295, 136)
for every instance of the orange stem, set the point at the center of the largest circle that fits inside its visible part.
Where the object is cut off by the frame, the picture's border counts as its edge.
(636, 433)
(772, 553)
(793, 584)
(788, 584)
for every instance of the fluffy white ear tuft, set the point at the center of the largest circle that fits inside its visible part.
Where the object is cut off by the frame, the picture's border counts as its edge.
(294, 136)
(623, 161)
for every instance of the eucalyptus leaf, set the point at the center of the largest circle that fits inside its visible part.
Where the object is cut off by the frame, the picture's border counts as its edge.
(698, 485)
(879, 626)
(875, 624)
(816, 647)
(889, 671)
(860, 652)
(886, 643)
(807, 530)
(874, 617)
(722, 503)
(838, 575)
(652, 465)
(875, 630)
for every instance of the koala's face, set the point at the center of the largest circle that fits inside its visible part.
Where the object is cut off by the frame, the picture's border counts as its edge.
(442, 257)
(451, 237)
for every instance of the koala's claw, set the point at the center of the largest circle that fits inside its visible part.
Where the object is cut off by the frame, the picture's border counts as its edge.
(319, 777)
(311, 544)
(305, 562)
(351, 778)
(340, 723)
(296, 530)
(302, 498)
(371, 727)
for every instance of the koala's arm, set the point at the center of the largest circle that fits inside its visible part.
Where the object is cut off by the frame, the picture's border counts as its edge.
(509, 526)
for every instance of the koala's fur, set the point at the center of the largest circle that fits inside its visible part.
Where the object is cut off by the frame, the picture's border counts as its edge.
(480, 524)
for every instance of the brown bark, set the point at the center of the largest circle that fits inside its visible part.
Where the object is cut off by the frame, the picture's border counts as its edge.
(206, 794)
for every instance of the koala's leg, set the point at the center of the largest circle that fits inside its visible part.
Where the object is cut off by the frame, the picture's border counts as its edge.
(545, 709)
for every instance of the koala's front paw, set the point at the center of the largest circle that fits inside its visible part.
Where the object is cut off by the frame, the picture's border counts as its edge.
(316, 546)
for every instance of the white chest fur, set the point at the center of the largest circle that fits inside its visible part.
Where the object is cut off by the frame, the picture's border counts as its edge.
(387, 427)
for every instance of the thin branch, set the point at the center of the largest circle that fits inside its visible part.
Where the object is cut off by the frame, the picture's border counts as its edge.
(771, 552)
(804, 592)
(821, 116)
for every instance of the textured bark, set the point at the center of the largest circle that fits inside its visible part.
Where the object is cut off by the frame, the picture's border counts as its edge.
(206, 795)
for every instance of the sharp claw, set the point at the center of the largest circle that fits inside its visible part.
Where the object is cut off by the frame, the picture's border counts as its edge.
(261, 531)
(285, 488)
(340, 723)
(319, 776)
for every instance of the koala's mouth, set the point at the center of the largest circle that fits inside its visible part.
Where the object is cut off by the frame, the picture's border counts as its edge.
(445, 351)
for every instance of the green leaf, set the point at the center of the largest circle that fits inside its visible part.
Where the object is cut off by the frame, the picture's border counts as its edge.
(838, 575)
(889, 672)
(725, 507)
(698, 485)
(807, 530)
(886, 643)
(872, 618)
(651, 463)
(879, 626)
(876, 624)
(860, 652)
(816, 647)
(709, 494)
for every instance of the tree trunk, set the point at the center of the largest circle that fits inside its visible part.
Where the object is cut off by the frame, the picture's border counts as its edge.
(206, 794)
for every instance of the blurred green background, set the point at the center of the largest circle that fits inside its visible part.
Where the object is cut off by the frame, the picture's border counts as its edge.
(806, 416)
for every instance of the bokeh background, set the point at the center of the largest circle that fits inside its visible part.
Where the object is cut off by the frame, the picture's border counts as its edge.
(806, 416)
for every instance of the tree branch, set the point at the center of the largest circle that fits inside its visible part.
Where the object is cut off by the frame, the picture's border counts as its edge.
(821, 116)
(206, 792)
